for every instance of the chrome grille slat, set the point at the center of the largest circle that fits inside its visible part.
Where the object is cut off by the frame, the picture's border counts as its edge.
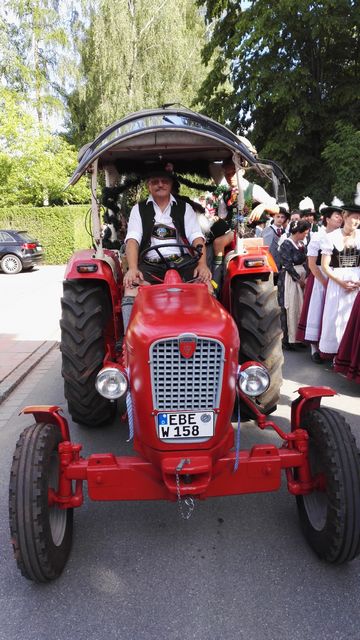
(191, 384)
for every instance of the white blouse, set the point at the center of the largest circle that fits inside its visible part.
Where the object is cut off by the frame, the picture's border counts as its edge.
(191, 224)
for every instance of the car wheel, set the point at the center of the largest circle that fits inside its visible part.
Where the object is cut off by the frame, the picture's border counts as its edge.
(11, 264)
(330, 515)
(41, 534)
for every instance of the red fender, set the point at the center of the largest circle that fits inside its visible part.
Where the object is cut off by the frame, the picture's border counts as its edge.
(50, 415)
(309, 399)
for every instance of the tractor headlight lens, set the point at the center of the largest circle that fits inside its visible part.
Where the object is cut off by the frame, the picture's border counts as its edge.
(253, 380)
(111, 383)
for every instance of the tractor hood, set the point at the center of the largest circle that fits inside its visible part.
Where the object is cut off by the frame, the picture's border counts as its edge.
(162, 311)
(181, 353)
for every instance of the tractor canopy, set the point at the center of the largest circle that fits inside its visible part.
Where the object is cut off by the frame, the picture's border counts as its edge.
(188, 140)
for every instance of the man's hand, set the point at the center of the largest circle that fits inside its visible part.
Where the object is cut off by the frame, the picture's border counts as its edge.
(257, 212)
(202, 273)
(132, 278)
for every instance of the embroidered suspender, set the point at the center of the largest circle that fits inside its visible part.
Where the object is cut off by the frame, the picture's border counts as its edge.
(147, 214)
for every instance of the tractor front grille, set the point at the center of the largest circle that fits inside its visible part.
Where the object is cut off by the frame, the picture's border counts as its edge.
(180, 383)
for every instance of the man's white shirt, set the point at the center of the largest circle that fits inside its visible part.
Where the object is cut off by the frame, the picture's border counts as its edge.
(191, 224)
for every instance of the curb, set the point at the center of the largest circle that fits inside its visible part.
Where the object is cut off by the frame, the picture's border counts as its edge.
(19, 373)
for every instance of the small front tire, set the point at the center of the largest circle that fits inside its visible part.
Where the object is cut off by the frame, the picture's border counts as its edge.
(330, 518)
(41, 534)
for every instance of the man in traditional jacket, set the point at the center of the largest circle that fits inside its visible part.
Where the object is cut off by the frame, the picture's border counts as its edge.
(161, 219)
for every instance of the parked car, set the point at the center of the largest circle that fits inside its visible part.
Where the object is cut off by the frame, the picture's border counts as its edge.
(18, 251)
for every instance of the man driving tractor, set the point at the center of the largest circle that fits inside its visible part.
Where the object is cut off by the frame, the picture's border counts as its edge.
(159, 220)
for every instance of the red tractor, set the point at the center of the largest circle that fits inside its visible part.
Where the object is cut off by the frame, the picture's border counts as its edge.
(186, 362)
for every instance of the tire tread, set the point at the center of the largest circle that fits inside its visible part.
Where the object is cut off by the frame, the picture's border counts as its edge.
(339, 541)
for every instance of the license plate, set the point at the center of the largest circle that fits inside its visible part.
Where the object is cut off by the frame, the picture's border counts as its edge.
(188, 424)
(38, 248)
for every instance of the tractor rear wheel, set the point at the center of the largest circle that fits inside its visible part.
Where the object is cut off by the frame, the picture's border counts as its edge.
(41, 534)
(330, 518)
(257, 314)
(85, 313)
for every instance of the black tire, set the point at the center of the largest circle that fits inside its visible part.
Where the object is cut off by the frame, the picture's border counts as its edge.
(41, 535)
(330, 519)
(11, 264)
(85, 313)
(257, 315)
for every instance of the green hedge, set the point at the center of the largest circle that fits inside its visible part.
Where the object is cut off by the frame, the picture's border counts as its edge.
(61, 230)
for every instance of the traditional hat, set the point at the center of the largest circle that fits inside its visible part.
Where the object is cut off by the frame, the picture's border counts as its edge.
(248, 144)
(327, 210)
(354, 208)
(157, 171)
(307, 205)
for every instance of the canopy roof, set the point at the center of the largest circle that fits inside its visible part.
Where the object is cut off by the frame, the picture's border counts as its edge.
(188, 140)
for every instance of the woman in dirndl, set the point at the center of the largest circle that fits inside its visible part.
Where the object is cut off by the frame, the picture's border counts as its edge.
(311, 315)
(347, 360)
(341, 264)
(291, 281)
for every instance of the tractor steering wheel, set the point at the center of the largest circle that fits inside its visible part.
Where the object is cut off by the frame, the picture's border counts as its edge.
(195, 254)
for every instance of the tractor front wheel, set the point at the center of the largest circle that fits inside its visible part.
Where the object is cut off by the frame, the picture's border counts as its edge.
(330, 516)
(41, 534)
(257, 314)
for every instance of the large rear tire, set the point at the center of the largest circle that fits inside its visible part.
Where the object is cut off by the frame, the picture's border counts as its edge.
(330, 519)
(41, 535)
(85, 313)
(257, 315)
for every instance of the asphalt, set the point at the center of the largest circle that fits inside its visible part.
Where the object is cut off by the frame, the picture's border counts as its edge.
(29, 322)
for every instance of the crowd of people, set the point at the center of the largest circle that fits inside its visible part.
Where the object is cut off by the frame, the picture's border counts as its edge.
(319, 284)
(317, 256)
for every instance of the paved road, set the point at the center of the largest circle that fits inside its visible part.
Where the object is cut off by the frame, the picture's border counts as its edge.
(29, 321)
(238, 569)
(30, 303)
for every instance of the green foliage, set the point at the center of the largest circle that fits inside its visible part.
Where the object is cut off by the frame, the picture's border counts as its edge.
(35, 165)
(61, 230)
(37, 40)
(342, 157)
(137, 54)
(294, 69)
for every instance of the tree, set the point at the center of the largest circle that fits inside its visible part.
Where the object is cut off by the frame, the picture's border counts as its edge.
(37, 40)
(342, 159)
(295, 71)
(34, 164)
(137, 54)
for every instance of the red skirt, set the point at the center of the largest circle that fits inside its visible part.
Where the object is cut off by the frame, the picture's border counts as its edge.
(300, 334)
(347, 360)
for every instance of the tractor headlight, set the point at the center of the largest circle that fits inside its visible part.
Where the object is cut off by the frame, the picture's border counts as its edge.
(111, 383)
(253, 379)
